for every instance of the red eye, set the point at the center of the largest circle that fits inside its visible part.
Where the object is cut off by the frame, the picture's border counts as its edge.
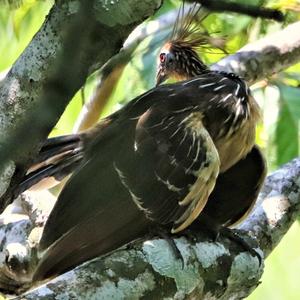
(162, 57)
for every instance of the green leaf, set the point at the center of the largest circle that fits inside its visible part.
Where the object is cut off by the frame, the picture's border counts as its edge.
(17, 28)
(287, 129)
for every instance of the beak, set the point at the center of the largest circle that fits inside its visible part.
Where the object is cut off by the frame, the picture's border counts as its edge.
(161, 76)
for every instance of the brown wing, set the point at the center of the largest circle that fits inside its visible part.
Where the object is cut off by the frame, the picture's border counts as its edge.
(185, 165)
(236, 190)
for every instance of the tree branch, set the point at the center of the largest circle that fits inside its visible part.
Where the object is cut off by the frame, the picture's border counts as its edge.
(266, 56)
(247, 9)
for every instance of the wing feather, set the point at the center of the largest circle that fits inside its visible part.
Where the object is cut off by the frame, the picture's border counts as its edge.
(178, 153)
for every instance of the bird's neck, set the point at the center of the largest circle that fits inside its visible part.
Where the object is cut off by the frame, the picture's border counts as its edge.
(195, 65)
(196, 68)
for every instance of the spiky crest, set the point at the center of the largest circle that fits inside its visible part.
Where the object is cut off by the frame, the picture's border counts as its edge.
(188, 31)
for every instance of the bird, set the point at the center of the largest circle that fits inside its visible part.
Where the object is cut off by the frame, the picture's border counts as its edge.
(158, 161)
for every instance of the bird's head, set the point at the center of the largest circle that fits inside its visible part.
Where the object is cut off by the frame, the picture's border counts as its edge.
(178, 58)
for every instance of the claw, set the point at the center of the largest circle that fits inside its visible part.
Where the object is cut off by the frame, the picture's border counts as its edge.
(169, 238)
(214, 230)
(232, 235)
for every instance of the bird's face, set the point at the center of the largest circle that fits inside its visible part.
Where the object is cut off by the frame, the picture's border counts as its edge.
(179, 62)
(167, 65)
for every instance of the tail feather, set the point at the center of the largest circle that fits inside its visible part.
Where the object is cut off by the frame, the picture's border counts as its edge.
(57, 145)
(88, 240)
(57, 159)
(51, 174)
(61, 140)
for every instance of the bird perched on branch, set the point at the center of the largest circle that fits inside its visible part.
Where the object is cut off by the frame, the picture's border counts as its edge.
(155, 162)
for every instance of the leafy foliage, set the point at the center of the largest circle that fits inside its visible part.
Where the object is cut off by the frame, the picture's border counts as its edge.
(287, 129)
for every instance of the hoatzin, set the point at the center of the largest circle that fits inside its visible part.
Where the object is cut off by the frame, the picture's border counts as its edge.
(174, 154)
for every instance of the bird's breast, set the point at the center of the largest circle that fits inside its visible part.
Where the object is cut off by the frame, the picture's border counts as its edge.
(236, 146)
(240, 137)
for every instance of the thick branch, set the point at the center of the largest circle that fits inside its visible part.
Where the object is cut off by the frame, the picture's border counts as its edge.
(266, 56)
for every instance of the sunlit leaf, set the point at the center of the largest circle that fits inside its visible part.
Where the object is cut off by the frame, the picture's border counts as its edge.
(16, 32)
(287, 130)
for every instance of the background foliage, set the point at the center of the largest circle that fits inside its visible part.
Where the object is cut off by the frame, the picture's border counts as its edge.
(278, 96)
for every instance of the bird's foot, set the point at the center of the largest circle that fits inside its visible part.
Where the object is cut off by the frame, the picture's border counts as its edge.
(169, 238)
(234, 236)
(215, 231)
(194, 235)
